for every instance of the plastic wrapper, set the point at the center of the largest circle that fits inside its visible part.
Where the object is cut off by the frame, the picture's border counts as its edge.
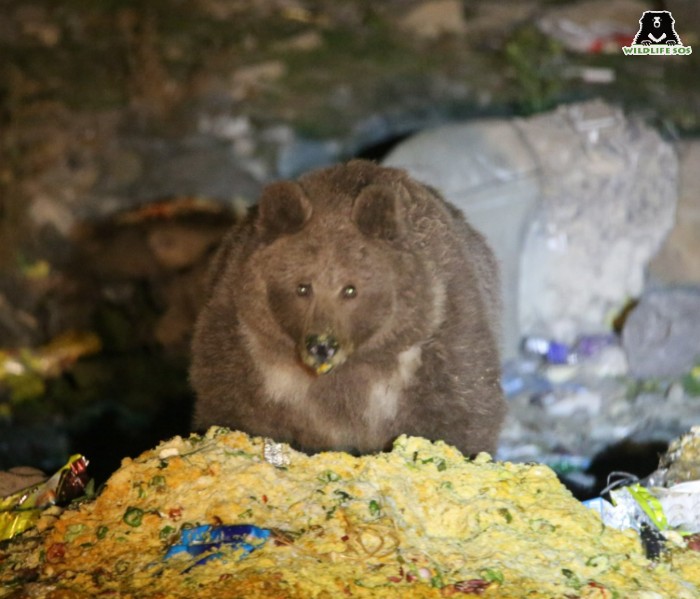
(630, 507)
(659, 506)
(681, 505)
(552, 352)
(21, 510)
(24, 370)
(558, 353)
(50, 359)
(207, 541)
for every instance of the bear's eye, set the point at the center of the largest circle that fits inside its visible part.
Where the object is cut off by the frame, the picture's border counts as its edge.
(349, 291)
(304, 289)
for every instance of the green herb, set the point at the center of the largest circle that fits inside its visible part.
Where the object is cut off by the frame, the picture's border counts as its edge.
(506, 514)
(374, 508)
(102, 532)
(573, 580)
(238, 453)
(437, 582)
(73, 531)
(342, 495)
(157, 481)
(166, 532)
(599, 562)
(492, 575)
(133, 516)
(328, 476)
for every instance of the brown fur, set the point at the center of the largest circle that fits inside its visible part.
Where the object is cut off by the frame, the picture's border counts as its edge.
(414, 347)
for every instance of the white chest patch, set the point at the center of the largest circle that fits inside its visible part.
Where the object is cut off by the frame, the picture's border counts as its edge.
(384, 394)
(283, 382)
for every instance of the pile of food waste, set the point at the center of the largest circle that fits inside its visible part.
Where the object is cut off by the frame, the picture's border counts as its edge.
(228, 515)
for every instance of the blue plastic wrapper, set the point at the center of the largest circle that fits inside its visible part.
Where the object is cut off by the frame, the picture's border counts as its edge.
(551, 351)
(205, 539)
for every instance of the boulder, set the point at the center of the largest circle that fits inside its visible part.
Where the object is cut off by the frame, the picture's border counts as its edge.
(661, 335)
(677, 261)
(608, 198)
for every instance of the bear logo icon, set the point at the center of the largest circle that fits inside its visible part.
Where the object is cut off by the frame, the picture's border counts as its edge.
(349, 307)
(656, 28)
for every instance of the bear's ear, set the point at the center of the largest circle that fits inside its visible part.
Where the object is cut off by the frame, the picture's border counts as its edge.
(376, 212)
(283, 208)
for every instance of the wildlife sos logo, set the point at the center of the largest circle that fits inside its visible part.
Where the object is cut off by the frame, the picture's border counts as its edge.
(657, 35)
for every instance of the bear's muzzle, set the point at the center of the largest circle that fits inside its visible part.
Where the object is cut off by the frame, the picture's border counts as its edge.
(321, 353)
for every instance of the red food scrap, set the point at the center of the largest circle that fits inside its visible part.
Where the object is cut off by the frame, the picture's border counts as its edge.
(693, 542)
(475, 586)
(600, 587)
(175, 513)
(56, 553)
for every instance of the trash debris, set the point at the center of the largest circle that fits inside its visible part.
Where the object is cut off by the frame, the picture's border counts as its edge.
(551, 351)
(559, 353)
(23, 370)
(593, 27)
(394, 524)
(21, 510)
(209, 539)
(661, 509)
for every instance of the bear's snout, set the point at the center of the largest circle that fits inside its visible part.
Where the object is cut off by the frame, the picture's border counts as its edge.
(321, 353)
(657, 21)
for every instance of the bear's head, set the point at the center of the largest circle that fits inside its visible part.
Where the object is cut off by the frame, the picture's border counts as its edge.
(330, 265)
(656, 27)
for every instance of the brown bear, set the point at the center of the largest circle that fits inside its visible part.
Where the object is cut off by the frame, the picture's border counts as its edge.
(349, 307)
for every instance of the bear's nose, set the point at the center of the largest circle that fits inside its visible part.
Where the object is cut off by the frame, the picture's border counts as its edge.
(321, 347)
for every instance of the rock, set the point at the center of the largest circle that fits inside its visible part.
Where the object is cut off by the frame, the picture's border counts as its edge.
(677, 262)
(580, 401)
(609, 190)
(250, 80)
(301, 155)
(182, 296)
(661, 335)
(610, 362)
(435, 18)
(193, 166)
(302, 42)
(18, 478)
(177, 246)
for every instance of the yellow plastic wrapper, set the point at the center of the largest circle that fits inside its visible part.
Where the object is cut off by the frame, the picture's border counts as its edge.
(21, 510)
(50, 359)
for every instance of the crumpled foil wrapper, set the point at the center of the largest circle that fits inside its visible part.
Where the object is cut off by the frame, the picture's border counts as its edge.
(277, 454)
